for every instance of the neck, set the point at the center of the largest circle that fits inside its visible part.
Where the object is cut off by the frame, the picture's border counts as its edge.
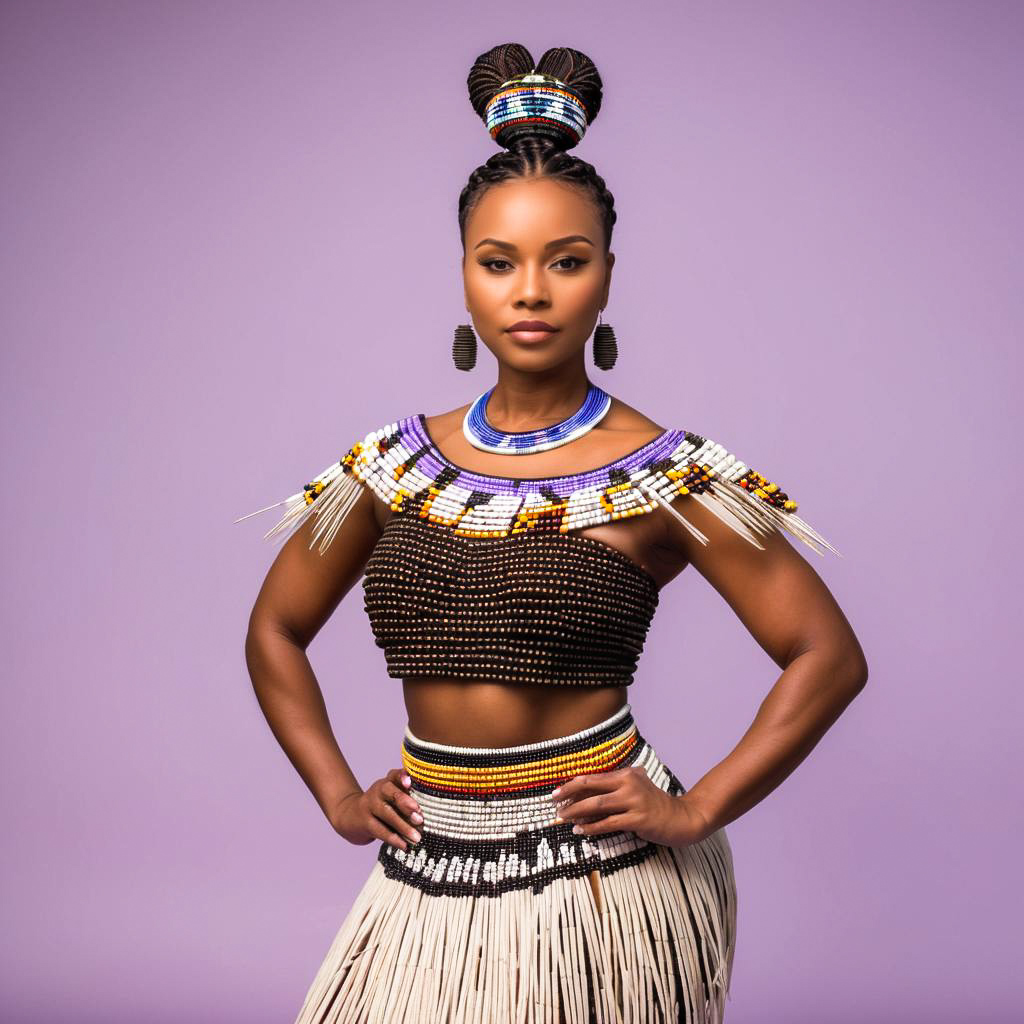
(527, 400)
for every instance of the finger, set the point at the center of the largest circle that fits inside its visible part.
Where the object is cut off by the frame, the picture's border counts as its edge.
(393, 820)
(381, 831)
(400, 778)
(613, 823)
(584, 785)
(599, 806)
(404, 802)
(387, 795)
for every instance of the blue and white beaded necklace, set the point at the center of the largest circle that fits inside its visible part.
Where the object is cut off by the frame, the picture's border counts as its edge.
(479, 432)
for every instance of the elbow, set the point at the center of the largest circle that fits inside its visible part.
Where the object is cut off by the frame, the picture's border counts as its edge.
(850, 669)
(265, 635)
(262, 638)
(252, 646)
(843, 666)
(254, 635)
(254, 652)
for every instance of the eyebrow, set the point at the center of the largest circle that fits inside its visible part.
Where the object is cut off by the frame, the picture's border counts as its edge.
(550, 245)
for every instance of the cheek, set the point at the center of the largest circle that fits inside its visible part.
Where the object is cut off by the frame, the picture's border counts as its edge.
(485, 291)
(580, 294)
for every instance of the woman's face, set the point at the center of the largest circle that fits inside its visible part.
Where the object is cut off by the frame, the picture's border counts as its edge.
(535, 251)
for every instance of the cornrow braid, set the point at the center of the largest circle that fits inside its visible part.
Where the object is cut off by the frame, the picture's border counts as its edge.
(530, 156)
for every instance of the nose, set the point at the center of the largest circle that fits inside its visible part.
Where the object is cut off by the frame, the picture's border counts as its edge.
(533, 290)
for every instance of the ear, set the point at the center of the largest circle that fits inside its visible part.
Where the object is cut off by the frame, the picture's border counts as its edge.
(610, 261)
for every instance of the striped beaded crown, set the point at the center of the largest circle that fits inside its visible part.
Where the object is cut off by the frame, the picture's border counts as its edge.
(536, 104)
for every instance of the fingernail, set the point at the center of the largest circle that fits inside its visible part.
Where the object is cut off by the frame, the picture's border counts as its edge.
(554, 792)
(406, 781)
(559, 821)
(416, 816)
(415, 836)
(577, 830)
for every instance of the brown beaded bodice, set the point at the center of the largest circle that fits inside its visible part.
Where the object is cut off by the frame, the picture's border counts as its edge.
(488, 577)
(534, 607)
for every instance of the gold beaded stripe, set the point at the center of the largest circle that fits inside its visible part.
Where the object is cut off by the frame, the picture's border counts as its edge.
(616, 511)
(525, 775)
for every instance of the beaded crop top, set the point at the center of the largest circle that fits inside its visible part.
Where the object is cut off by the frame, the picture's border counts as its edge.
(485, 577)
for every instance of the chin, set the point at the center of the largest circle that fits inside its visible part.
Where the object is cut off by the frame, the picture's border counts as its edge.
(547, 354)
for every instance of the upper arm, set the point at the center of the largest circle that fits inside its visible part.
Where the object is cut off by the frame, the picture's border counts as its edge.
(305, 585)
(775, 592)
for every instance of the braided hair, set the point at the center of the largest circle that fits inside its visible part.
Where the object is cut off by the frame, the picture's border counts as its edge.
(536, 155)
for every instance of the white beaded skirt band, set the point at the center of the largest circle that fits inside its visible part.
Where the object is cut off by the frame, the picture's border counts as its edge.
(499, 914)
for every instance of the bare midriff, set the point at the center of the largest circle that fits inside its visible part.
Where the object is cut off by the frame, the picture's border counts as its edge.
(488, 714)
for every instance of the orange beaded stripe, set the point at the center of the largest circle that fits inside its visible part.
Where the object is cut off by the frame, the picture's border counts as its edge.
(543, 773)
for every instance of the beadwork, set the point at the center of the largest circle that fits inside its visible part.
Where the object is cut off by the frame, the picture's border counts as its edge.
(535, 104)
(488, 577)
(566, 927)
(482, 435)
(488, 817)
(404, 468)
(538, 607)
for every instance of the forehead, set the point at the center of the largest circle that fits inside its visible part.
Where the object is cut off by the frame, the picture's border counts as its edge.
(529, 212)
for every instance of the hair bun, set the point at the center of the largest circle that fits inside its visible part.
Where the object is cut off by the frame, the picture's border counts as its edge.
(556, 99)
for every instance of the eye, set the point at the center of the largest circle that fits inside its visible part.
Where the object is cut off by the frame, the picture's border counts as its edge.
(497, 259)
(573, 259)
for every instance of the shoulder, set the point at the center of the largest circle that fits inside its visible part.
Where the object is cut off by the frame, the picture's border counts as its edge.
(706, 470)
(624, 417)
(443, 424)
(366, 463)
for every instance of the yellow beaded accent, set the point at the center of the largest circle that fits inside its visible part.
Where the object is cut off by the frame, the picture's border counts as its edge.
(578, 763)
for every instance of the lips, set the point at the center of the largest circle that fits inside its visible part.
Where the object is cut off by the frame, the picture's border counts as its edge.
(531, 326)
(529, 332)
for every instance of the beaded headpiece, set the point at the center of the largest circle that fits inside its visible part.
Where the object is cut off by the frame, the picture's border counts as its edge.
(536, 104)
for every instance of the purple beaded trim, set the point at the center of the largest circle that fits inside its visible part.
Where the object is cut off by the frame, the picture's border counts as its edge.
(432, 462)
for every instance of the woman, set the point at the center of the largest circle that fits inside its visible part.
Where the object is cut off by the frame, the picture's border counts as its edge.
(538, 861)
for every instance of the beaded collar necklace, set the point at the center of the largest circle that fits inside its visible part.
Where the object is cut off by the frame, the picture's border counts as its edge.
(481, 434)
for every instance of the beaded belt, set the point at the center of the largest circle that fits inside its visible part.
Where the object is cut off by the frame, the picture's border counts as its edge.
(488, 817)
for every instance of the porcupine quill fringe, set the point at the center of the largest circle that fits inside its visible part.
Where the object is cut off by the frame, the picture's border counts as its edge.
(338, 492)
(738, 508)
(581, 951)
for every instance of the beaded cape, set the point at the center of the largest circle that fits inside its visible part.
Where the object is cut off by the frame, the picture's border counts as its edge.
(400, 463)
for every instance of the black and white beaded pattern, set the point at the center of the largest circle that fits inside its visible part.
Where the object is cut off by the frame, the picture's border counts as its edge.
(489, 843)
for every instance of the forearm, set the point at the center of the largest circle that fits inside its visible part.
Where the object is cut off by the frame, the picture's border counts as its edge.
(805, 701)
(293, 705)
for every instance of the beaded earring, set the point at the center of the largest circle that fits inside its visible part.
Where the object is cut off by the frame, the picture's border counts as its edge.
(605, 349)
(464, 347)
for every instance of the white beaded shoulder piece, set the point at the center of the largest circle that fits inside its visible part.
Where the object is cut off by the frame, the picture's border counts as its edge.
(405, 469)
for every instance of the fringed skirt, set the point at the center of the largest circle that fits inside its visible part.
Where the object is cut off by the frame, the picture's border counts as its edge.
(499, 916)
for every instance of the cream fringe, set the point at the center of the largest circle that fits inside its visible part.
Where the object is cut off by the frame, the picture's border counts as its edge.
(526, 958)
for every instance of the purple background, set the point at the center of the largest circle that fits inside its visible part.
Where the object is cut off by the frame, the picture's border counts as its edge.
(230, 249)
